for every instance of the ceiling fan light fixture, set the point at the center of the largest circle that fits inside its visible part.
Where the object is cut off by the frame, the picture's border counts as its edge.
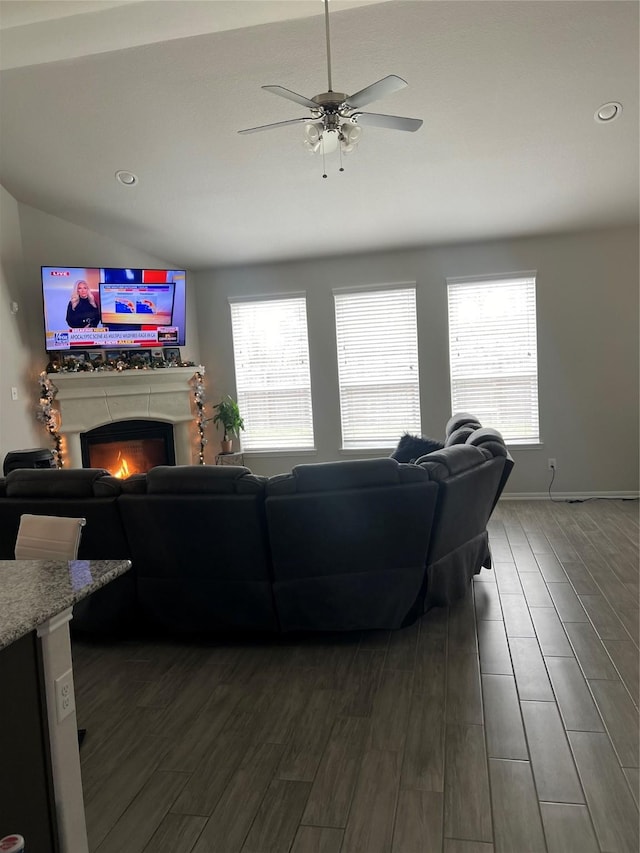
(319, 138)
(312, 137)
(350, 135)
(312, 133)
(329, 141)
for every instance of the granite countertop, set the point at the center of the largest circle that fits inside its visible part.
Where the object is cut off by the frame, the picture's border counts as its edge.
(32, 591)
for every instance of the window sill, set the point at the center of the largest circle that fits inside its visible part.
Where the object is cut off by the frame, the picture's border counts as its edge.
(264, 454)
(366, 451)
(527, 445)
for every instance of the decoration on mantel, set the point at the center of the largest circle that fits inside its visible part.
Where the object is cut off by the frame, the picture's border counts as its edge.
(50, 417)
(198, 394)
(125, 361)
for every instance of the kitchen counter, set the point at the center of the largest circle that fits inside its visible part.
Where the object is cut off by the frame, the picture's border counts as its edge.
(32, 591)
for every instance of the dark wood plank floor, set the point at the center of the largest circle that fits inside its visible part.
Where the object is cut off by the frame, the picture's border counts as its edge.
(506, 723)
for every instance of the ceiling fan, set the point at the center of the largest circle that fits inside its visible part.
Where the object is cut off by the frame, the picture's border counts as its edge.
(335, 117)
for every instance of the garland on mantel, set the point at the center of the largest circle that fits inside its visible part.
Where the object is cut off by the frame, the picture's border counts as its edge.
(198, 394)
(125, 361)
(50, 417)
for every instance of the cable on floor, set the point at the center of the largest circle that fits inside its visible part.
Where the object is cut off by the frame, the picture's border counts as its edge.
(580, 500)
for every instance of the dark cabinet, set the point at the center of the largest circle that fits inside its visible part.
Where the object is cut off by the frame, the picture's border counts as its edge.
(27, 803)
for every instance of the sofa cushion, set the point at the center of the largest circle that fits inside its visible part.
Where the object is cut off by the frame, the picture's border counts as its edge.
(490, 439)
(61, 483)
(135, 484)
(460, 435)
(202, 479)
(107, 487)
(461, 419)
(453, 460)
(329, 476)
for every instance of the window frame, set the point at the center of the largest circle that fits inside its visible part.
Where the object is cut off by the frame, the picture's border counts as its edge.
(530, 440)
(353, 445)
(307, 445)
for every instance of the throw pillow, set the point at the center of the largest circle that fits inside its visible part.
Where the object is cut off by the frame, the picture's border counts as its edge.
(412, 447)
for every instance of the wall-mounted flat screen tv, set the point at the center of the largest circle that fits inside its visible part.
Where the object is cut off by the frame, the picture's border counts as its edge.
(113, 308)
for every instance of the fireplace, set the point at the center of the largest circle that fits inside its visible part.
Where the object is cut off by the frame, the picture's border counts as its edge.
(95, 399)
(128, 447)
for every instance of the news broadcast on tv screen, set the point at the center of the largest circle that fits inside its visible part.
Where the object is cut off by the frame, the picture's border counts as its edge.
(112, 307)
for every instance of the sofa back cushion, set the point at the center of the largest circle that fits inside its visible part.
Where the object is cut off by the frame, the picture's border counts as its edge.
(332, 476)
(199, 548)
(89, 493)
(195, 521)
(460, 419)
(489, 438)
(61, 483)
(348, 516)
(349, 542)
(460, 435)
(454, 459)
(203, 480)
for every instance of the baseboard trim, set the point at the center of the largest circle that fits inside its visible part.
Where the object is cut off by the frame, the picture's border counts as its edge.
(568, 496)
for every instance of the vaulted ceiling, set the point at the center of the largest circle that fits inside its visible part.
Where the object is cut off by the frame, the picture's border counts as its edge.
(507, 91)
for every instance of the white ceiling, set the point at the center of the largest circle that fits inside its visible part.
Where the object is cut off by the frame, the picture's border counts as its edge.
(507, 91)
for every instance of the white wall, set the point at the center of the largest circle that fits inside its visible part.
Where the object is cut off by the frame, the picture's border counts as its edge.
(30, 239)
(18, 426)
(587, 303)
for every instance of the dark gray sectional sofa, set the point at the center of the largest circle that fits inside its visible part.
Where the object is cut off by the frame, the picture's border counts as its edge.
(328, 547)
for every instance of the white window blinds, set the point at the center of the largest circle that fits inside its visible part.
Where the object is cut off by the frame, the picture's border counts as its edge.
(273, 383)
(493, 353)
(377, 366)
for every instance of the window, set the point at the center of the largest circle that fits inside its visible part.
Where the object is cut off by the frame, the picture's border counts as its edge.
(377, 366)
(493, 354)
(273, 384)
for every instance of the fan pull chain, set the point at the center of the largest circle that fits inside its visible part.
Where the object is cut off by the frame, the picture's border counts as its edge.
(324, 167)
(341, 169)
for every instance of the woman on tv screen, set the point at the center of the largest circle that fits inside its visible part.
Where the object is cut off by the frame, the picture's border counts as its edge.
(82, 310)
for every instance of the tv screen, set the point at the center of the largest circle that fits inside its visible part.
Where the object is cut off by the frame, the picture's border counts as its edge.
(113, 308)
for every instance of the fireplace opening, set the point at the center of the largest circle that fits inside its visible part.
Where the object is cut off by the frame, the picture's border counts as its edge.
(128, 447)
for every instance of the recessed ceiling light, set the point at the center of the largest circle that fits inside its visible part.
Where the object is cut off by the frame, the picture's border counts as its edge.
(608, 112)
(126, 178)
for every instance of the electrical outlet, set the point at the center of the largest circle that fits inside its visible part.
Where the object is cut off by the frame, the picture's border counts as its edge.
(65, 700)
(14, 393)
(551, 465)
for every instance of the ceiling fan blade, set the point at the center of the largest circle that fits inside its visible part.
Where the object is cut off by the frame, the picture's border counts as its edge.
(306, 120)
(392, 122)
(386, 86)
(292, 96)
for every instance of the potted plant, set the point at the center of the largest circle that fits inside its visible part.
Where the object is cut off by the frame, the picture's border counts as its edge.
(228, 414)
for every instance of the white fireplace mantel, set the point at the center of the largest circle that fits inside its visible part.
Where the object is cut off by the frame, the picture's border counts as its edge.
(87, 400)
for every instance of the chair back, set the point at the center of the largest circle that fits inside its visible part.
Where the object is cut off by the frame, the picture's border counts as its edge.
(48, 537)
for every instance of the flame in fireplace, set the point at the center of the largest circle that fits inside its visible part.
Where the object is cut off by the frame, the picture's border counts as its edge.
(123, 471)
